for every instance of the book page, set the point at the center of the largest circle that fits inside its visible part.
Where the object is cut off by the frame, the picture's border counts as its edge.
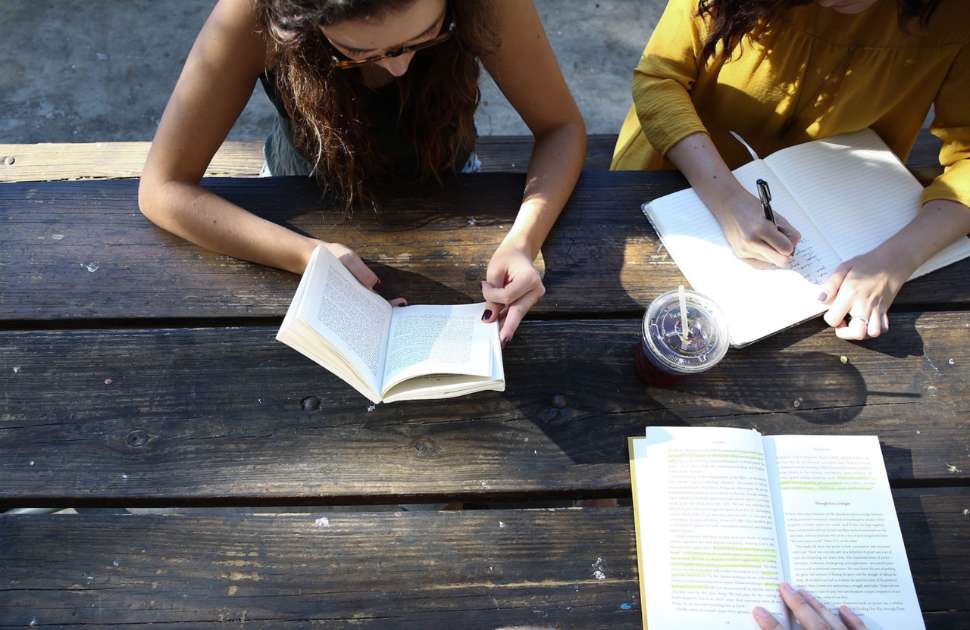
(425, 340)
(857, 192)
(353, 319)
(758, 299)
(706, 530)
(839, 530)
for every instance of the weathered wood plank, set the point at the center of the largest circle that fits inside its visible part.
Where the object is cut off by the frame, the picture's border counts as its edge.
(191, 416)
(117, 160)
(472, 569)
(81, 250)
(112, 160)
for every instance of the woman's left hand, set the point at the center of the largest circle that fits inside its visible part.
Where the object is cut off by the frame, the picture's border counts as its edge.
(513, 287)
(863, 288)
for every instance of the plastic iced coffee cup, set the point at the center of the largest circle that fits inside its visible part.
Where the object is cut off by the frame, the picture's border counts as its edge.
(669, 351)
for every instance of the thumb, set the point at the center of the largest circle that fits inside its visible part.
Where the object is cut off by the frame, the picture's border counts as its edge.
(831, 286)
(492, 309)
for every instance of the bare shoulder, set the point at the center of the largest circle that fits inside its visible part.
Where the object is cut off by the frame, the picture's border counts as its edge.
(232, 31)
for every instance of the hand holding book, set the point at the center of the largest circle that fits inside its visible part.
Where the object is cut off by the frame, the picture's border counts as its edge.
(809, 612)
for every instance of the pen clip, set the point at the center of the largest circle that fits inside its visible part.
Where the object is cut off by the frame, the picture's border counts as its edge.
(763, 191)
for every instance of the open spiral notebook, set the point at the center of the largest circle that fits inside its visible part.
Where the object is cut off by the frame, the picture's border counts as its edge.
(846, 195)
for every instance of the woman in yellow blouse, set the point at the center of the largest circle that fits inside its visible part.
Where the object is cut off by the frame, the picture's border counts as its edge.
(797, 70)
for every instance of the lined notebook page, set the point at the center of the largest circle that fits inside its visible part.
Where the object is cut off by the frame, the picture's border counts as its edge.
(857, 192)
(758, 301)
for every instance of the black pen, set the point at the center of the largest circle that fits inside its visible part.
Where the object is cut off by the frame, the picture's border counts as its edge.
(765, 194)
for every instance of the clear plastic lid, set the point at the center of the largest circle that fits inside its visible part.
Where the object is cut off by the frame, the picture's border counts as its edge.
(705, 343)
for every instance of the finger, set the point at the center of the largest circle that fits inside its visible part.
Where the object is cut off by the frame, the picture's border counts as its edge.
(762, 251)
(851, 620)
(777, 240)
(491, 312)
(855, 330)
(511, 292)
(823, 612)
(802, 610)
(766, 621)
(361, 271)
(515, 313)
(398, 302)
(840, 307)
(874, 328)
(832, 285)
(789, 230)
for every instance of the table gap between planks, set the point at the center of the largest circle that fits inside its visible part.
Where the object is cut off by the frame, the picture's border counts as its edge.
(138, 370)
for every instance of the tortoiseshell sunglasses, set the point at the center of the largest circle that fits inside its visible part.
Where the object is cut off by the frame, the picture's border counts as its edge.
(346, 63)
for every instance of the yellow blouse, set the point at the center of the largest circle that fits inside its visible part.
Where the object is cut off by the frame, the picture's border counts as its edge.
(816, 73)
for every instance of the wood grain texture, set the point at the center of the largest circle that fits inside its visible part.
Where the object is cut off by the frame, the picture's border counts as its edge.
(119, 160)
(471, 569)
(114, 160)
(82, 250)
(229, 415)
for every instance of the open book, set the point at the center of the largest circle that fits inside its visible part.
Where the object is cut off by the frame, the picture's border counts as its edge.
(390, 353)
(846, 195)
(724, 515)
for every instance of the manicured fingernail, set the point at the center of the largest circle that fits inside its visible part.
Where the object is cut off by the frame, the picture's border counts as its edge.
(823, 296)
(487, 315)
(761, 613)
(379, 286)
(505, 342)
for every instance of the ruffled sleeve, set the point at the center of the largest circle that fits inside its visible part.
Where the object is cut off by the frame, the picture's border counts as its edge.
(951, 124)
(666, 73)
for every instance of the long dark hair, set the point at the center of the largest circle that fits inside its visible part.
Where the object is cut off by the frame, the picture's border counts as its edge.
(439, 93)
(730, 20)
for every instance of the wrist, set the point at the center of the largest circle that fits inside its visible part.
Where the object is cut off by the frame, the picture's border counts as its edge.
(901, 257)
(521, 242)
(723, 199)
(305, 252)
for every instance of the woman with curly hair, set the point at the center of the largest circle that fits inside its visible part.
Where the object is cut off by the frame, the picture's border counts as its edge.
(783, 72)
(367, 92)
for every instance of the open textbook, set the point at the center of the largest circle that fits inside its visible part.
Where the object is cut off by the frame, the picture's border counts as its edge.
(390, 353)
(846, 195)
(724, 515)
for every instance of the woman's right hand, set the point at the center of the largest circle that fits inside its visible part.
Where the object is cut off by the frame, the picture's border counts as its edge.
(356, 266)
(751, 235)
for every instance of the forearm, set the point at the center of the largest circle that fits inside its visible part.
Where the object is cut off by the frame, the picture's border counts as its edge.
(698, 159)
(197, 215)
(557, 160)
(938, 224)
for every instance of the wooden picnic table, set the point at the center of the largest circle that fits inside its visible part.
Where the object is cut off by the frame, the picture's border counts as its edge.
(137, 370)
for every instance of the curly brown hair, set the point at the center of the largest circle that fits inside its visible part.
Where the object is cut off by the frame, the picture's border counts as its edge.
(731, 20)
(439, 93)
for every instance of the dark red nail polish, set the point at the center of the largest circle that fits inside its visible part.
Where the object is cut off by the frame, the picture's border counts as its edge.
(487, 315)
(505, 342)
(379, 286)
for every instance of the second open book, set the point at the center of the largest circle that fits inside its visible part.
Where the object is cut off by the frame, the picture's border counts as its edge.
(845, 194)
(390, 353)
(724, 515)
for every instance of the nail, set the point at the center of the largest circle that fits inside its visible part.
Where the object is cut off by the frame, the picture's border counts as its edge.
(762, 614)
(786, 588)
(487, 315)
(378, 286)
(823, 296)
(505, 342)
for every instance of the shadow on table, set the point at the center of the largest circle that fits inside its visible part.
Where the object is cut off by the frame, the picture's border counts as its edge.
(775, 386)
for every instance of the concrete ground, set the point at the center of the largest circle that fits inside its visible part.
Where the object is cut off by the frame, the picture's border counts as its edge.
(100, 70)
